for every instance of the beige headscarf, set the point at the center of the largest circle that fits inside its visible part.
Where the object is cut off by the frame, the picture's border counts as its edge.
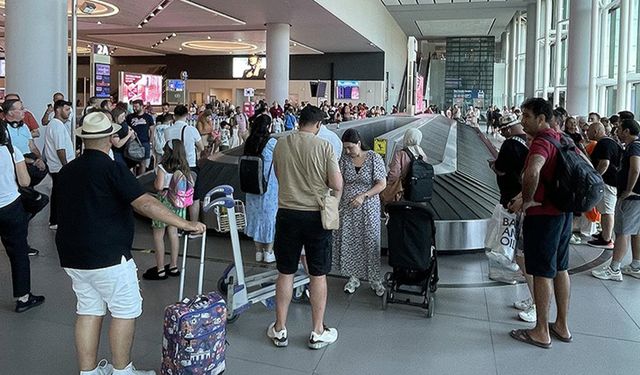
(412, 140)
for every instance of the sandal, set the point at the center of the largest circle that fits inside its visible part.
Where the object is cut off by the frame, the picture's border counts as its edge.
(556, 335)
(153, 274)
(172, 271)
(522, 335)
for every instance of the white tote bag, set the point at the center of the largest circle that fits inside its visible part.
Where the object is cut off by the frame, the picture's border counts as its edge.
(502, 237)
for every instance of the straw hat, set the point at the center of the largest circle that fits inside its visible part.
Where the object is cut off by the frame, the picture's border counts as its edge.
(96, 125)
(508, 121)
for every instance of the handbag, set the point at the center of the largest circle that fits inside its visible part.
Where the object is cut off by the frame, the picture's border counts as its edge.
(329, 211)
(134, 150)
(33, 201)
(393, 192)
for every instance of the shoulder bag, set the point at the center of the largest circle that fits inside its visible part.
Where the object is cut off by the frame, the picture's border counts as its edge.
(33, 201)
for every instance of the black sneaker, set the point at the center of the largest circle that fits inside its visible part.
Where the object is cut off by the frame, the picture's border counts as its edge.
(600, 243)
(597, 236)
(33, 301)
(153, 274)
(33, 252)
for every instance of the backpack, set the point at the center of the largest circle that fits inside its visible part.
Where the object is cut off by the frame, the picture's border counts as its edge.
(418, 183)
(134, 150)
(577, 186)
(250, 169)
(180, 192)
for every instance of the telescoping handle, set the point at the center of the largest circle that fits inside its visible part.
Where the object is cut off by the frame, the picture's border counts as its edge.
(220, 202)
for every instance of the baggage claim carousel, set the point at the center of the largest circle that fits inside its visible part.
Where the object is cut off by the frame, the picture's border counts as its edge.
(465, 190)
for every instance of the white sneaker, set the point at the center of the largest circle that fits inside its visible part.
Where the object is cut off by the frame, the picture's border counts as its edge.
(319, 341)
(607, 274)
(628, 270)
(575, 239)
(53, 227)
(258, 256)
(269, 257)
(351, 286)
(529, 315)
(104, 367)
(130, 370)
(378, 288)
(279, 338)
(524, 304)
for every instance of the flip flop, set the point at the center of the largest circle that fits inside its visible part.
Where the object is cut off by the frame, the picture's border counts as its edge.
(522, 335)
(556, 335)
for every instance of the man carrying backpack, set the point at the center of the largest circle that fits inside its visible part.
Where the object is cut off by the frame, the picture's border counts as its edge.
(627, 215)
(546, 229)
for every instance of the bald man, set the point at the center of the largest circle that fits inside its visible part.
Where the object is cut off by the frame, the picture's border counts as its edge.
(606, 159)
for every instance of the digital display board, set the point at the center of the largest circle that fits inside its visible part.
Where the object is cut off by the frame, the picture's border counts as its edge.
(2, 67)
(348, 90)
(252, 67)
(102, 80)
(175, 85)
(145, 87)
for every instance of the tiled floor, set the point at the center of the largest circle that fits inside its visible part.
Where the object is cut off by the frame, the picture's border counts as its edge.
(467, 335)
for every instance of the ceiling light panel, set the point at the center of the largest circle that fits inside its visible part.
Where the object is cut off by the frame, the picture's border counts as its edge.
(455, 27)
(213, 11)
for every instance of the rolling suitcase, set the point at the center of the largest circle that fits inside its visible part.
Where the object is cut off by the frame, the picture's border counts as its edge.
(194, 329)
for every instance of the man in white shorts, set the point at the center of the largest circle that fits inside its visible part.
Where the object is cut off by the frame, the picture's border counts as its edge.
(95, 201)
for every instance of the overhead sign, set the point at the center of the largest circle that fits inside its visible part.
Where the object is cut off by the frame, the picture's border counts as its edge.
(101, 49)
(249, 92)
(175, 92)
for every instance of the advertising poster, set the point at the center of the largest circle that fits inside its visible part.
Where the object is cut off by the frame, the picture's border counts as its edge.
(419, 94)
(146, 87)
(348, 90)
(252, 67)
(102, 80)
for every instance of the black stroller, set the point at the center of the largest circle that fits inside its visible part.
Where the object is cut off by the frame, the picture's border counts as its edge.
(412, 254)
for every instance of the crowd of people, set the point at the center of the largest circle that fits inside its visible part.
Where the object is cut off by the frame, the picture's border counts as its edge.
(525, 169)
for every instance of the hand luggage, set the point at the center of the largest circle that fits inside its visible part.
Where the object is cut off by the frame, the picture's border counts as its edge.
(194, 329)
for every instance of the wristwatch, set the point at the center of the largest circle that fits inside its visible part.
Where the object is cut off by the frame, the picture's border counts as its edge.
(366, 196)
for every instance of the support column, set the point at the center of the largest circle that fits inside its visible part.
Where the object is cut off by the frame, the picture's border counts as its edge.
(594, 68)
(506, 45)
(557, 66)
(530, 69)
(36, 51)
(578, 50)
(515, 49)
(622, 97)
(277, 81)
(546, 71)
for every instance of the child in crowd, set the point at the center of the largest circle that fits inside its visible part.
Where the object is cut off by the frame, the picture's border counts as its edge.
(225, 136)
(174, 159)
(278, 125)
(235, 137)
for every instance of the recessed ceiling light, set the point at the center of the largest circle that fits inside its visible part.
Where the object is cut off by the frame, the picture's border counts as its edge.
(230, 52)
(160, 7)
(295, 44)
(208, 36)
(239, 39)
(139, 26)
(180, 49)
(174, 34)
(145, 21)
(99, 22)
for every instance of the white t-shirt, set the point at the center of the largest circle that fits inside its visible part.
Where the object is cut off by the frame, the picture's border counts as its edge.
(68, 125)
(8, 184)
(333, 138)
(57, 138)
(191, 138)
(167, 176)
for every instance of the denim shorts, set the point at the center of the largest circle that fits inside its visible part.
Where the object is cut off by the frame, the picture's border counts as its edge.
(546, 244)
(295, 229)
(115, 288)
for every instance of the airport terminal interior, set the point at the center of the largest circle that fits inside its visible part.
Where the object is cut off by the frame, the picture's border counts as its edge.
(449, 86)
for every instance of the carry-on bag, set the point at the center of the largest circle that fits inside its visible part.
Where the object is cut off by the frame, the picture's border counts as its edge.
(194, 329)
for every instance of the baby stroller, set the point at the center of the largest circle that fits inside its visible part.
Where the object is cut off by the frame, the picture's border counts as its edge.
(412, 254)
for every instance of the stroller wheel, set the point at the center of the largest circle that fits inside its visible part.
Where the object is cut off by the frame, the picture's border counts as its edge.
(431, 307)
(233, 318)
(385, 298)
(223, 287)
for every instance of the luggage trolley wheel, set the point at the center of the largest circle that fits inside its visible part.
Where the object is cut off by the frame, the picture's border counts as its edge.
(233, 318)
(299, 295)
(431, 307)
(223, 287)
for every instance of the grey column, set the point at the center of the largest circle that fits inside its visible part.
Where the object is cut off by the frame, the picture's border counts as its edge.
(578, 57)
(530, 57)
(277, 84)
(36, 51)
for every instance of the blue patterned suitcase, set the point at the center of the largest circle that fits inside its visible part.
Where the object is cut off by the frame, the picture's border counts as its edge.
(194, 330)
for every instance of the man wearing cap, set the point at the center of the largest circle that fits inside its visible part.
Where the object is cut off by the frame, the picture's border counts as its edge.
(58, 150)
(96, 199)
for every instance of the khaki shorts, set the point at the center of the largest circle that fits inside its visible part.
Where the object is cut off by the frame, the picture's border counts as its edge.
(607, 206)
(115, 288)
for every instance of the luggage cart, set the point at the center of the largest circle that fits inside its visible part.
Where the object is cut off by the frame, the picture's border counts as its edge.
(242, 291)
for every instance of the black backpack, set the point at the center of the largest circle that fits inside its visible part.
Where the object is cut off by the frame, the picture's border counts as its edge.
(418, 183)
(577, 186)
(252, 181)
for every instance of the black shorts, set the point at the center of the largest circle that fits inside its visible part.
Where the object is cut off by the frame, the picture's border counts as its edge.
(295, 229)
(546, 244)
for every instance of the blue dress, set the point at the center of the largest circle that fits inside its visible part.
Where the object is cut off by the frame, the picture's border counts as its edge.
(261, 210)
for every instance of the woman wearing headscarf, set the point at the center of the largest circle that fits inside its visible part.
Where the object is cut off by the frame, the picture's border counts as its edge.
(400, 164)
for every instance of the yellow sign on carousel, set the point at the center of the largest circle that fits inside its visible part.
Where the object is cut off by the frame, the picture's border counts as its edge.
(380, 146)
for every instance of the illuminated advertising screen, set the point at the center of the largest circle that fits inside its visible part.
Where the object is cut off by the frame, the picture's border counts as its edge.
(252, 67)
(348, 90)
(102, 80)
(2, 67)
(146, 87)
(175, 85)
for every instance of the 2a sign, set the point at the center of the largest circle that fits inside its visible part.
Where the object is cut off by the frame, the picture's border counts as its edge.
(101, 49)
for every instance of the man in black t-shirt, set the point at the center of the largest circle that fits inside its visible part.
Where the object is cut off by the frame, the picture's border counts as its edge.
(627, 216)
(511, 158)
(606, 159)
(141, 122)
(96, 198)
